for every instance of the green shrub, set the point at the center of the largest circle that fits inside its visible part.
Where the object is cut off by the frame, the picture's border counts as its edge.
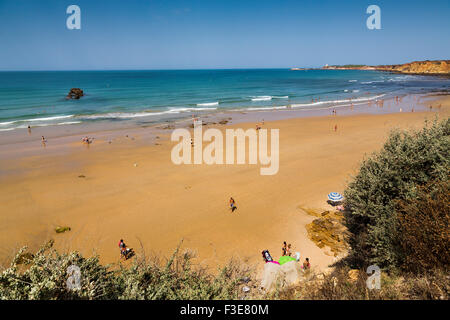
(44, 276)
(406, 161)
(337, 285)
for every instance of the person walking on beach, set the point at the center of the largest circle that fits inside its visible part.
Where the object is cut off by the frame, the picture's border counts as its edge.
(232, 204)
(43, 141)
(29, 130)
(335, 127)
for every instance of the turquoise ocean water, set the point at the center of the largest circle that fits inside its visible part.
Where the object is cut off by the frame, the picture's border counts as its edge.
(38, 98)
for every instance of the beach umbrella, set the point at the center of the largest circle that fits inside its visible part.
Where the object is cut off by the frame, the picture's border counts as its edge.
(335, 196)
(285, 259)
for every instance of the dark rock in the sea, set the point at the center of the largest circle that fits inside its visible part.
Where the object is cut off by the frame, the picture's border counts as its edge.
(75, 93)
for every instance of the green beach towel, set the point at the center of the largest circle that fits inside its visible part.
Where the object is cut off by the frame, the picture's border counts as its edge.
(285, 259)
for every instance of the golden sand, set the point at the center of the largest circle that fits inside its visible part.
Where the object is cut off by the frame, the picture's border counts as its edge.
(103, 196)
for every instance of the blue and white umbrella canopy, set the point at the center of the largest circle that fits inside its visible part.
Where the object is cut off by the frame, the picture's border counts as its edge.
(335, 196)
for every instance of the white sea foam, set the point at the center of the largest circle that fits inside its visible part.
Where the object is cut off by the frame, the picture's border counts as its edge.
(120, 115)
(374, 81)
(262, 108)
(262, 98)
(37, 119)
(68, 122)
(131, 115)
(280, 97)
(178, 110)
(208, 104)
(25, 126)
(6, 123)
(352, 80)
(48, 118)
(300, 105)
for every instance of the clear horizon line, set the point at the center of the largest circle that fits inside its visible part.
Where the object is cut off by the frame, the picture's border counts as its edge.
(156, 69)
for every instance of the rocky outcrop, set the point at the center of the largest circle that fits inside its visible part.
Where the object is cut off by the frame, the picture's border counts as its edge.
(419, 67)
(75, 93)
(328, 231)
(427, 67)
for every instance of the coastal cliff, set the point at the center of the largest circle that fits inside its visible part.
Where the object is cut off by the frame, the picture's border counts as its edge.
(420, 67)
(430, 67)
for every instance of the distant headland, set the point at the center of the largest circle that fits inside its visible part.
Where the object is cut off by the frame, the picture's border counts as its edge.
(427, 67)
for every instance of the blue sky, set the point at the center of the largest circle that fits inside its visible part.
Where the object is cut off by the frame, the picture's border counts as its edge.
(191, 34)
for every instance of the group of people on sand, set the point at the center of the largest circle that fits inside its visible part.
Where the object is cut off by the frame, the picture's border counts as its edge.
(125, 252)
(87, 140)
(286, 251)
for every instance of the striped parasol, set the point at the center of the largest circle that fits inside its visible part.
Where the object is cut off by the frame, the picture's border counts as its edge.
(335, 196)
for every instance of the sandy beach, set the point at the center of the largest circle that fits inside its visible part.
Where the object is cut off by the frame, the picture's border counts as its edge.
(130, 189)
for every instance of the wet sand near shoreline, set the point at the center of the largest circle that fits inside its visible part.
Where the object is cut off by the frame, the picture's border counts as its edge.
(108, 130)
(130, 189)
